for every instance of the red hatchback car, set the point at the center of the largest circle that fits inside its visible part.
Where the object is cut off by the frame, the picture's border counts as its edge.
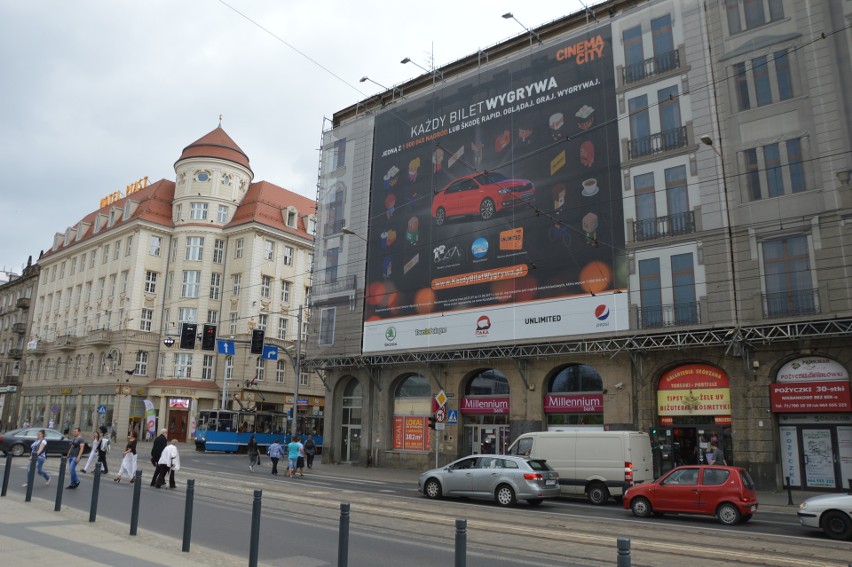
(483, 194)
(724, 492)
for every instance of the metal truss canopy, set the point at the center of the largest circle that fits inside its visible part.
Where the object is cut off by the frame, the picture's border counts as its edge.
(744, 336)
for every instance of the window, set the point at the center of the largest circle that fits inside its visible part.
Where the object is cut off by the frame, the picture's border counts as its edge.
(141, 364)
(669, 104)
(229, 367)
(790, 289)
(677, 201)
(226, 179)
(116, 253)
(280, 371)
(191, 283)
(212, 316)
(262, 321)
(112, 279)
(268, 249)
(232, 320)
(282, 328)
(129, 248)
(183, 365)
(155, 246)
(265, 286)
(146, 321)
(312, 225)
(304, 380)
(640, 126)
(238, 249)
(331, 258)
(194, 247)
(105, 257)
(124, 277)
(215, 285)
(88, 292)
(222, 215)
(218, 251)
(150, 282)
(339, 154)
(73, 265)
(646, 206)
(259, 369)
(285, 291)
(634, 56)
(92, 260)
(326, 334)
(291, 219)
(198, 211)
(187, 315)
(650, 293)
(683, 289)
(774, 169)
(207, 367)
(661, 35)
(101, 286)
(202, 176)
(83, 261)
(752, 12)
(236, 279)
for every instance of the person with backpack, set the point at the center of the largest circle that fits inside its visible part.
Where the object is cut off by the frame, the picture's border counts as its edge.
(310, 450)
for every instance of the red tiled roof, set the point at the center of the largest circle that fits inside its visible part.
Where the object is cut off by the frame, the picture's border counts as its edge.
(266, 203)
(216, 144)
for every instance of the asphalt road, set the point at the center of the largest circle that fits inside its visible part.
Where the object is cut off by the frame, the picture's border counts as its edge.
(392, 524)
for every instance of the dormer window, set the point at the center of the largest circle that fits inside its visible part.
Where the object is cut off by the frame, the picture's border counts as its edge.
(112, 216)
(202, 176)
(312, 225)
(291, 218)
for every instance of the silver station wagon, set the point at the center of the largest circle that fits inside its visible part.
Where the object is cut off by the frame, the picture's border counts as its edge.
(502, 478)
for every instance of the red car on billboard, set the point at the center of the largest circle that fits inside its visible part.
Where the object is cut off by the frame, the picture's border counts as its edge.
(484, 194)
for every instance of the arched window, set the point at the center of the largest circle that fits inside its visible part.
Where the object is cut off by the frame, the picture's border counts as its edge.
(574, 397)
(412, 404)
(487, 383)
(576, 378)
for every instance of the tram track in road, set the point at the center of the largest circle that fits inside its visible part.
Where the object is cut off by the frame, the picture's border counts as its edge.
(539, 533)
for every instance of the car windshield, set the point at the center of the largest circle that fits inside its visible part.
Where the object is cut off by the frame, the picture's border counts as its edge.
(538, 465)
(747, 482)
(490, 177)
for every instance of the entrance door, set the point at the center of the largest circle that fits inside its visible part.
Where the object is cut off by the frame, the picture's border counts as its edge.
(350, 452)
(486, 439)
(178, 422)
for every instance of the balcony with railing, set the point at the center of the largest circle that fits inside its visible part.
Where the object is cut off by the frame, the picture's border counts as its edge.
(671, 315)
(658, 143)
(662, 227)
(651, 67)
(66, 342)
(345, 284)
(99, 337)
(791, 303)
(19, 328)
(332, 228)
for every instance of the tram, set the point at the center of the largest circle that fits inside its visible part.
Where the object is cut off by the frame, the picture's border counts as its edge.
(229, 431)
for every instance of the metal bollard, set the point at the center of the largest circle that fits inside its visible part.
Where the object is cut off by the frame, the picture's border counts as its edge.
(255, 528)
(7, 471)
(623, 544)
(187, 514)
(96, 485)
(789, 491)
(343, 536)
(134, 509)
(30, 479)
(461, 542)
(60, 482)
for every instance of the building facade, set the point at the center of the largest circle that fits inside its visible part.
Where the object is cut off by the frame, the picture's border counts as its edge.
(15, 298)
(118, 289)
(604, 222)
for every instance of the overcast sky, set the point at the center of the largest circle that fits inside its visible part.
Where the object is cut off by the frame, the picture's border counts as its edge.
(99, 93)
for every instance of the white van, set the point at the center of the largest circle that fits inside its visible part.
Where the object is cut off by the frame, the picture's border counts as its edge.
(598, 463)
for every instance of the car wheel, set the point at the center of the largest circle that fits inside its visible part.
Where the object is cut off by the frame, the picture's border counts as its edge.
(504, 495)
(535, 501)
(837, 525)
(486, 209)
(440, 216)
(728, 514)
(598, 493)
(640, 507)
(17, 450)
(432, 489)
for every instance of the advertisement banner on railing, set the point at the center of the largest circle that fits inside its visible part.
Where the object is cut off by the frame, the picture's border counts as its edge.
(496, 205)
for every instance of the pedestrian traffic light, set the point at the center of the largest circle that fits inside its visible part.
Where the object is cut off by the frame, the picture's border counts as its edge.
(432, 421)
(187, 335)
(208, 337)
(257, 341)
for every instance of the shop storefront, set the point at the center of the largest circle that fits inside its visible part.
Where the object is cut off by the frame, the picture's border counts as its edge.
(811, 399)
(694, 410)
(485, 414)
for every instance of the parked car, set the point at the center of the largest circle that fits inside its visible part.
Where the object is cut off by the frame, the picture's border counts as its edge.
(831, 513)
(503, 478)
(19, 441)
(724, 492)
(484, 194)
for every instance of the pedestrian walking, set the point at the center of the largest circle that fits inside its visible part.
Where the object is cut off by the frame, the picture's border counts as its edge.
(26, 424)
(252, 453)
(103, 449)
(274, 452)
(38, 454)
(128, 462)
(157, 451)
(75, 453)
(715, 456)
(93, 451)
(294, 451)
(169, 462)
(310, 450)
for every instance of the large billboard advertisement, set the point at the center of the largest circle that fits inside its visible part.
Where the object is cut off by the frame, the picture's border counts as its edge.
(495, 205)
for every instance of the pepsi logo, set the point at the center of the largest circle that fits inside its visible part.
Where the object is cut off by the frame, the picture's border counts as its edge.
(602, 312)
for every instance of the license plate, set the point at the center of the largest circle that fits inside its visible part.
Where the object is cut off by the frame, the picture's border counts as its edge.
(550, 482)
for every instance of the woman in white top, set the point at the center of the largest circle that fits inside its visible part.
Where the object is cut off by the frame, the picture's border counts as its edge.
(38, 454)
(93, 456)
(169, 461)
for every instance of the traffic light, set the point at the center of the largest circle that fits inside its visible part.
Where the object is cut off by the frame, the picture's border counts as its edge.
(432, 421)
(187, 335)
(208, 337)
(257, 341)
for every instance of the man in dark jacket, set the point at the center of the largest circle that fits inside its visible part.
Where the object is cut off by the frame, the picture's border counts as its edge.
(156, 452)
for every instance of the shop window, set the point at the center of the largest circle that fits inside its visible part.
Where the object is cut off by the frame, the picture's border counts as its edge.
(412, 404)
(487, 383)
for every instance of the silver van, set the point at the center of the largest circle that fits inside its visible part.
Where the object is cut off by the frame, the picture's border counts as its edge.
(598, 464)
